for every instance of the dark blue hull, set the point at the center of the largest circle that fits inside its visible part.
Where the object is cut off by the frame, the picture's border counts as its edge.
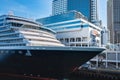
(51, 63)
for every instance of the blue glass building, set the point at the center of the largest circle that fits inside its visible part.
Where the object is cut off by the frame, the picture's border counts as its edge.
(82, 6)
(61, 17)
(86, 7)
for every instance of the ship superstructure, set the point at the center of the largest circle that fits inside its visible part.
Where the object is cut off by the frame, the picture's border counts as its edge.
(18, 31)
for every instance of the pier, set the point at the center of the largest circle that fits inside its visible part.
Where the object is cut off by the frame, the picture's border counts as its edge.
(82, 74)
(98, 74)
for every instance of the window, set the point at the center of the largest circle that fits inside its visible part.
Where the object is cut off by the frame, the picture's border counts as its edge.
(84, 45)
(66, 40)
(61, 40)
(84, 39)
(16, 24)
(78, 44)
(72, 40)
(72, 44)
(78, 39)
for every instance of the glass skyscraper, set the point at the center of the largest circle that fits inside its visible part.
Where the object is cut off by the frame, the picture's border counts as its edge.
(86, 7)
(113, 20)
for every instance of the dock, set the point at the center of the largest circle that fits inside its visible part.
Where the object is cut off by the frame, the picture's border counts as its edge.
(81, 74)
(97, 74)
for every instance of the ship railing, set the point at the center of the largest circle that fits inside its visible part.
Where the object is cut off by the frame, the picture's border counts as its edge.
(9, 33)
(4, 30)
(12, 43)
(10, 38)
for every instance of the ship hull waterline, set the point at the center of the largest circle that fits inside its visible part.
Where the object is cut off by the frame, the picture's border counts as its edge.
(55, 62)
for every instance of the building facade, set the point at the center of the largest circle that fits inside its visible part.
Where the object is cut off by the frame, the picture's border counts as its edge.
(73, 29)
(113, 20)
(86, 7)
(106, 60)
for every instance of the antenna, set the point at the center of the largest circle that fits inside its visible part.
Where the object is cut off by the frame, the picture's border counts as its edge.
(10, 13)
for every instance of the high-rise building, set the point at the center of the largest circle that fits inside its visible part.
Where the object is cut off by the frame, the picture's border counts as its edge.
(113, 20)
(86, 7)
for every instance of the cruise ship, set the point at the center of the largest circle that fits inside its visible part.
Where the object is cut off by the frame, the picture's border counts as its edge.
(28, 48)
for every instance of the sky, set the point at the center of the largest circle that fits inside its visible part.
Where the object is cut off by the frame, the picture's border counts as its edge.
(35, 9)
(102, 11)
